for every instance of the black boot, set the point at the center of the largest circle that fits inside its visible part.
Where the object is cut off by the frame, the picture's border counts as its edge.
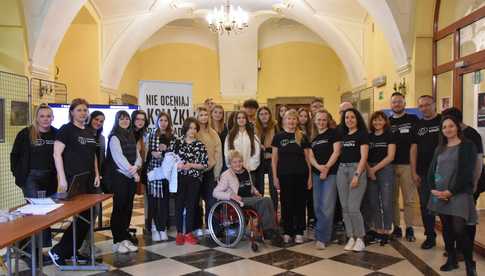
(451, 262)
(471, 268)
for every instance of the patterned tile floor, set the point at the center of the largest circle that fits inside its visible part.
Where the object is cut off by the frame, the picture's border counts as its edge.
(206, 258)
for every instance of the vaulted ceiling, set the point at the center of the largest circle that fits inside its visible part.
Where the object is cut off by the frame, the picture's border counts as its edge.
(128, 24)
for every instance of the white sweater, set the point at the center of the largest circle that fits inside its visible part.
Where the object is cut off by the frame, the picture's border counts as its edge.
(242, 143)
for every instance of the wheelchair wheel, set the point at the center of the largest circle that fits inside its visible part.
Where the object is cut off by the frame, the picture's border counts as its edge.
(226, 223)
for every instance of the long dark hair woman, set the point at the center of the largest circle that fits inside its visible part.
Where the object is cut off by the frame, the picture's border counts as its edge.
(451, 179)
(157, 190)
(32, 162)
(95, 124)
(351, 176)
(139, 126)
(122, 162)
(266, 129)
(242, 138)
(75, 153)
(194, 160)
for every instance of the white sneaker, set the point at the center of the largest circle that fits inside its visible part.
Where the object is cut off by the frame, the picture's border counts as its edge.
(207, 232)
(120, 248)
(299, 239)
(350, 245)
(286, 238)
(129, 245)
(163, 235)
(156, 236)
(320, 245)
(359, 246)
(199, 233)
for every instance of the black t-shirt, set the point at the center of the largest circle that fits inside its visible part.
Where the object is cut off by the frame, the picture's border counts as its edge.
(244, 184)
(41, 151)
(472, 134)
(322, 147)
(291, 156)
(402, 128)
(378, 145)
(80, 149)
(426, 135)
(351, 146)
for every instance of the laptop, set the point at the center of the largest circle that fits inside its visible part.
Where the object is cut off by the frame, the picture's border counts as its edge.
(77, 186)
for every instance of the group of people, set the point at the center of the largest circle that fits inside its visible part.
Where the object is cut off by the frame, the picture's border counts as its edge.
(320, 172)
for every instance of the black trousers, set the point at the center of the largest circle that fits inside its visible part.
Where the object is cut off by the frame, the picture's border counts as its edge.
(64, 248)
(124, 189)
(158, 208)
(187, 196)
(293, 201)
(40, 180)
(455, 229)
(265, 168)
(205, 193)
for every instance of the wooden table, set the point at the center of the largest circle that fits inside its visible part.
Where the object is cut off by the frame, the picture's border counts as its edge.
(31, 226)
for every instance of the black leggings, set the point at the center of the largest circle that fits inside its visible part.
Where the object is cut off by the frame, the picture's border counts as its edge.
(293, 201)
(158, 208)
(455, 228)
(124, 189)
(187, 196)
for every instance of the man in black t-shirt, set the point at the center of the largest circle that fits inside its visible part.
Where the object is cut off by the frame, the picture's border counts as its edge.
(401, 126)
(425, 140)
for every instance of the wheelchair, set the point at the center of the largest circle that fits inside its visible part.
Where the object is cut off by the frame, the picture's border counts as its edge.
(229, 223)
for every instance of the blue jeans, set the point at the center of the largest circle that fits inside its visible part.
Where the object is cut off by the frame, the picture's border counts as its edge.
(380, 195)
(324, 199)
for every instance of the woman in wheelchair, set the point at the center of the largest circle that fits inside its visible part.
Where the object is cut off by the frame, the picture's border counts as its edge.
(236, 184)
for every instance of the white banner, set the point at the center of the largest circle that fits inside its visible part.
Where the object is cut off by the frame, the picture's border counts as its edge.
(175, 98)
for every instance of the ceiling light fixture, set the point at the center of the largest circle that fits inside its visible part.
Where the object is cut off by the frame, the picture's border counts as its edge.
(227, 19)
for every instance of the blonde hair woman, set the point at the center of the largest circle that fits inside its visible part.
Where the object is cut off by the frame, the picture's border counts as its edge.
(31, 159)
(290, 171)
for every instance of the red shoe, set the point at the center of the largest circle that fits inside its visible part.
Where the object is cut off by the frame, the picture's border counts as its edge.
(191, 239)
(180, 239)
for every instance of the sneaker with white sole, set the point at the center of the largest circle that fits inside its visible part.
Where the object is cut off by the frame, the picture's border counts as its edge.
(286, 238)
(163, 235)
(299, 239)
(350, 245)
(120, 248)
(56, 259)
(359, 245)
(156, 236)
(129, 245)
(320, 245)
(199, 233)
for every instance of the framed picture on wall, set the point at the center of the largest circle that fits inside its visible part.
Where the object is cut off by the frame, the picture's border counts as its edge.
(445, 103)
(2, 120)
(19, 112)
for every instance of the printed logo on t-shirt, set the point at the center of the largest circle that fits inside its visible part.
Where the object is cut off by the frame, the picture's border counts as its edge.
(373, 145)
(349, 143)
(41, 142)
(84, 140)
(286, 142)
(319, 142)
(402, 128)
(425, 130)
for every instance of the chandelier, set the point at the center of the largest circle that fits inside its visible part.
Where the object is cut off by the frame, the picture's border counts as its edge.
(227, 19)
